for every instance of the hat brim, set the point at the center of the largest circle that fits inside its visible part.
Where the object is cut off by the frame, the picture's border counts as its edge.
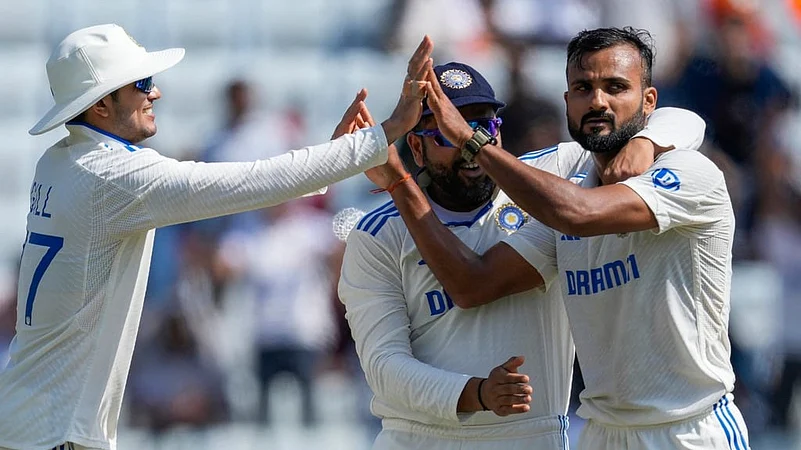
(472, 100)
(151, 64)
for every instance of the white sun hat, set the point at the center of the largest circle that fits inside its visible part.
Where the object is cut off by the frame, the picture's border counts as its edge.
(93, 62)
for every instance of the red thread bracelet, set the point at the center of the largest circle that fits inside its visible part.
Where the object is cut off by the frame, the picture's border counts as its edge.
(392, 186)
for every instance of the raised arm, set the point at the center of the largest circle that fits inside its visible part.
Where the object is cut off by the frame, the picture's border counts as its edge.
(550, 199)
(470, 279)
(147, 190)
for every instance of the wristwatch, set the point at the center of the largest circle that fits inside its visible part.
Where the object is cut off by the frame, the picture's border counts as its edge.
(481, 137)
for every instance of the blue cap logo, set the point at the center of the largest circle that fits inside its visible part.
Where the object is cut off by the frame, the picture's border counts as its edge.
(455, 79)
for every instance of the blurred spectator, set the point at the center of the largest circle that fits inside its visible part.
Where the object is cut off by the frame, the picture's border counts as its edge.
(284, 265)
(674, 24)
(530, 122)
(464, 34)
(171, 385)
(739, 94)
(778, 238)
(248, 133)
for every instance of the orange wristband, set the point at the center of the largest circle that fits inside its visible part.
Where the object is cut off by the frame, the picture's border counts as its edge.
(392, 186)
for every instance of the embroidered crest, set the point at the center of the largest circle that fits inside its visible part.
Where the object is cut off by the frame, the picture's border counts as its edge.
(455, 79)
(510, 217)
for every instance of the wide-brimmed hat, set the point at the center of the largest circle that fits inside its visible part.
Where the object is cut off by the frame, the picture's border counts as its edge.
(93, 62)
(464, 86)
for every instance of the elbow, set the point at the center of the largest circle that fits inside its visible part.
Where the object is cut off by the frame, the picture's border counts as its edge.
(472, 295)
(467, 300)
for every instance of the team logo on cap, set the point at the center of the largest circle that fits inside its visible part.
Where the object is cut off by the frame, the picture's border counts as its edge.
(455, 79)
(510, 217)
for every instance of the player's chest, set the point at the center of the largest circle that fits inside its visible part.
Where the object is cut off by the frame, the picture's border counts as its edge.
(426, 298)
(600, 265)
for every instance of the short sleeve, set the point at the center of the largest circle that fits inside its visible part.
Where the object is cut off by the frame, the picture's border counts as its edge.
(536, 243)
(675, 127)
(685, 189)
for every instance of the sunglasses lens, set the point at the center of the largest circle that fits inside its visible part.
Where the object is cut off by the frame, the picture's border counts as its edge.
(442, 142)
(145, 84)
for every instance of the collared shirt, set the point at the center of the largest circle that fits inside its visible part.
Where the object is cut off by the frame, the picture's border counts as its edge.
(95, 202)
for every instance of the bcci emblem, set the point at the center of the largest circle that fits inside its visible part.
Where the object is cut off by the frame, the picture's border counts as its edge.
(510, 217)
(455, 79)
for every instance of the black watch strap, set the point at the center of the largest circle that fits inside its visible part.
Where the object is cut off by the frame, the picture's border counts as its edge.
(480, 138)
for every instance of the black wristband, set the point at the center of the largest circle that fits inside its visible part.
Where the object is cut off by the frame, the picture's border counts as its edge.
(480, 401)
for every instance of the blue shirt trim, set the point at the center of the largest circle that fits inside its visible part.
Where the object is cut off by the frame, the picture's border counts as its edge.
(538, 153)
(469, 223)
(128, 145)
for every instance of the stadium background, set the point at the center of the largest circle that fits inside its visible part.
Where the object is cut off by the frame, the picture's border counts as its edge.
(264, 76)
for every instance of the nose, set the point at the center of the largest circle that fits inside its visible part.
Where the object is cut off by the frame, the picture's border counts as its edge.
(154, 94)
(599, 101)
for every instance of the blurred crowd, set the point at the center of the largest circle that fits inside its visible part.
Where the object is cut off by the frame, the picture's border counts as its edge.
(268, 278)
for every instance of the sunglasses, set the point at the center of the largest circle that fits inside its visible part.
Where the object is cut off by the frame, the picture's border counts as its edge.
(491, 125)
(145, 85)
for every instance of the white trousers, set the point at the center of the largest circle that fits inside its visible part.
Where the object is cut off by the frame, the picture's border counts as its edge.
(538, 433)
(721, 428)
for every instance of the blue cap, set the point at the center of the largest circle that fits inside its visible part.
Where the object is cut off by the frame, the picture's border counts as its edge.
(464, 86)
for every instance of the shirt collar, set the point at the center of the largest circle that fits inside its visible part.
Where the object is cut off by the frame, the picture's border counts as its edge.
(75, 125)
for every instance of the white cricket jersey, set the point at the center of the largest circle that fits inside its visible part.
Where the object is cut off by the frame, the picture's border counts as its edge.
(95, 201)
(418, 350)
(648, 310)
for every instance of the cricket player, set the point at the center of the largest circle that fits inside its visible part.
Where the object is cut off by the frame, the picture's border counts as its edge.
(96, 199)
(643, 265)
(425, 359)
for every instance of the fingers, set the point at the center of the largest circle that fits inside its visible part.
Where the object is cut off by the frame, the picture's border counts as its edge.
(356, 105)
(420, 56)
(365, 114)
(423, 70)
(360, 122)
(513, 363)
(431, 76)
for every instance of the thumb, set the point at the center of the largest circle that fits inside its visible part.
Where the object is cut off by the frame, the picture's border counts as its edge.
(513, 363)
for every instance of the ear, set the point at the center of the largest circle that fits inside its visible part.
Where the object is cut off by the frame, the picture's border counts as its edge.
(416, 145)
(649, 97)
(102, 108)
(565, 97)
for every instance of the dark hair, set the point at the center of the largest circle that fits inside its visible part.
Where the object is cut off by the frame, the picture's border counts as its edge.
(591, 41)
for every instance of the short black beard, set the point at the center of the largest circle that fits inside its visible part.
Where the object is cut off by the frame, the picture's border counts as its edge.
(452, 192)
(614, 141)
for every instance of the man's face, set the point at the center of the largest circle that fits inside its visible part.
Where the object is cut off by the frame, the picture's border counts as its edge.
(131, 114)
(465, 185)
(606, 101)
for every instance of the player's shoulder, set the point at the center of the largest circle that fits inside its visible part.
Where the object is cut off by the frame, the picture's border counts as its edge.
(686, 160)
(379, 221)
(561, 159)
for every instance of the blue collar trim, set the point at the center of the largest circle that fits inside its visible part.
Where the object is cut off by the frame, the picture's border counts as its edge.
(469, 223)
(128, 145)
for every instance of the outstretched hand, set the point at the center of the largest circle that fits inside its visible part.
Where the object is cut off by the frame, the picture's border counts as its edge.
(410, 104)
(449, 120)
(356, 117)
(506, 391)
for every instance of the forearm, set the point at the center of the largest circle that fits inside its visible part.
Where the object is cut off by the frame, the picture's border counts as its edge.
(468, 401)
(191, 191)
(552, 200)
(460, 270)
